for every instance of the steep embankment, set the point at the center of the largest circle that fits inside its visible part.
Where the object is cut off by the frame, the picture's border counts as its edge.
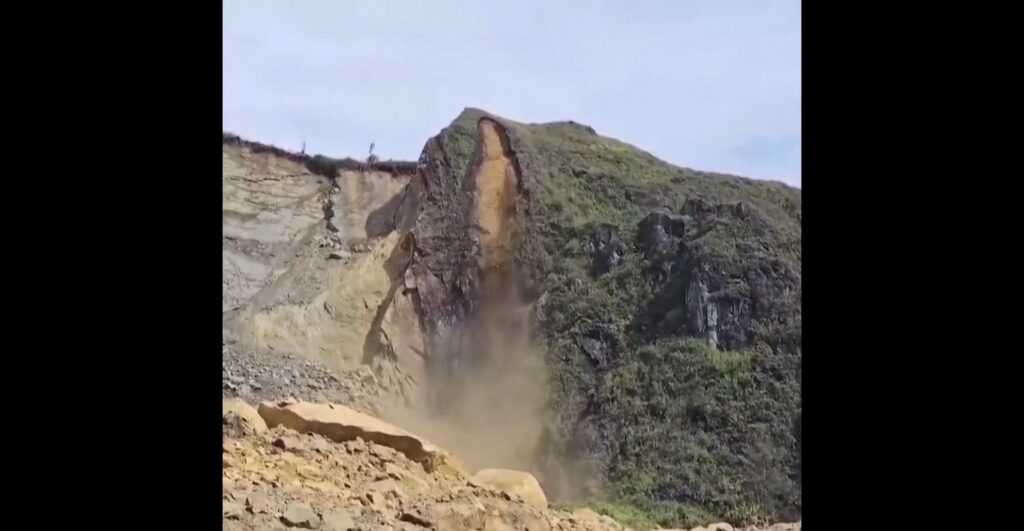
(549, 299)
(307, 247)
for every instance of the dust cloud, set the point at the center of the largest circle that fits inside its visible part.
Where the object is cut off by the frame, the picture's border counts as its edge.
(485, 397)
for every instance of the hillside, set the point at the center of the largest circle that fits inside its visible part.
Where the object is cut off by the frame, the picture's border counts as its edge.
(533, 296)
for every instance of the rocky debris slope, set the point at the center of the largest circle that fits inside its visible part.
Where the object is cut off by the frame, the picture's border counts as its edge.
(276, 478)
(254, 375)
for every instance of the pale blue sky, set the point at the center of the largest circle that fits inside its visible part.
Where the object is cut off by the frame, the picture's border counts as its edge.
(707, 84)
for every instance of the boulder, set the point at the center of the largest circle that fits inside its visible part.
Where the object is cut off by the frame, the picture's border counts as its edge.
(340, 424)
(300, 515)
(601, 344)
(457, 516)
(416, 517)
(242, 417)
(513, 482)
(259, 504)
(339, 520)
(232, 510)
(586, 514)
(659, 230)
(606, 248)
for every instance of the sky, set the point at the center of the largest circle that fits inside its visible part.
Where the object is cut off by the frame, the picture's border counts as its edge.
(712, 85)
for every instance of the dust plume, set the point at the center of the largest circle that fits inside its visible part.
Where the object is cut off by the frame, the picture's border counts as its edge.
(484, 400)
(487, 398)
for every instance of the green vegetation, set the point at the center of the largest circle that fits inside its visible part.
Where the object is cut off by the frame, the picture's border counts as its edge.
(725, 424)
(681, 432)
(645, 514)
(325, 166)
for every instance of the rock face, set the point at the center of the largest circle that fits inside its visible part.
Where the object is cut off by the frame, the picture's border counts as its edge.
(306, 251)
(729, 272)
(513, 482)
(270, 203)
(606, 248)
(468, 229)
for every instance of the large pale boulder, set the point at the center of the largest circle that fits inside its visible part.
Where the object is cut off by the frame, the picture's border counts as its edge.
(339, 423)
(585, 513)
(513, 482)
(242, 417)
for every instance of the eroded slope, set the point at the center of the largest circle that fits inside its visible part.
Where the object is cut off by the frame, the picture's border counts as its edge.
(308, 265)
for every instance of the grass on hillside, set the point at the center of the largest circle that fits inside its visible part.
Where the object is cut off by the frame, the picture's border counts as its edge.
(686, 433)
(643, 515)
